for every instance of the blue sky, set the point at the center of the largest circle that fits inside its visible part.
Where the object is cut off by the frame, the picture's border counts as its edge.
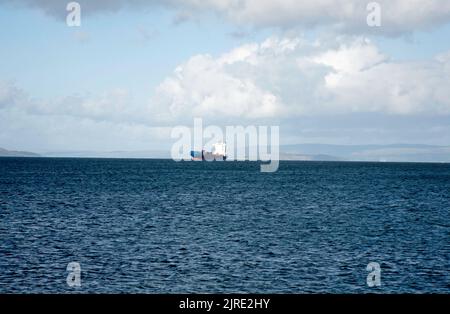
(126, 49)
(56, 78)
(46, 58)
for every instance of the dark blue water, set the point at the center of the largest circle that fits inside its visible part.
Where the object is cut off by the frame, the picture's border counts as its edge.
(157, 226)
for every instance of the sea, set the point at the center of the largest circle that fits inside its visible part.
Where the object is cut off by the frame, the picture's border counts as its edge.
(160, 226)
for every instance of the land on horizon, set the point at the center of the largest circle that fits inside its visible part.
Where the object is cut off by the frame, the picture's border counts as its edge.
(305, 152)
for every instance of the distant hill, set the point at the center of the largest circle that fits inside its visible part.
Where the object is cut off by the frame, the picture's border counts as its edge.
(393, 153)
(14, 153)
(308, 157)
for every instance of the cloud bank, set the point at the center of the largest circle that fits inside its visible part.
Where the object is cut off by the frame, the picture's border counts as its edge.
(280, 77)
(345, 91)
(288, 77)
(349, 16)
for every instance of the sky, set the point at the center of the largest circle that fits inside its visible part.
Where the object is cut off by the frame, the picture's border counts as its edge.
(135, 69)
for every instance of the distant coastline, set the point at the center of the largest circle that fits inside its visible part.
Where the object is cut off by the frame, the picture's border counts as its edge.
(298, 152)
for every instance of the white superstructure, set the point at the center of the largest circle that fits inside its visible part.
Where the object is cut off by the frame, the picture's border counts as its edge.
(219, 149)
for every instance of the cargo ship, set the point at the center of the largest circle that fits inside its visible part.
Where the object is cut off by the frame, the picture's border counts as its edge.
(218, 152)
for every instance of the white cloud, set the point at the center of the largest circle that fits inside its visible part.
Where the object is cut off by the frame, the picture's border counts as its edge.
(116, 105)
(44, 133)
(203, 87)
(111, 121)
(358, 56)
(285, 77)
(398, 16)
(379, 85)
(348, 16)
(9, 94)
